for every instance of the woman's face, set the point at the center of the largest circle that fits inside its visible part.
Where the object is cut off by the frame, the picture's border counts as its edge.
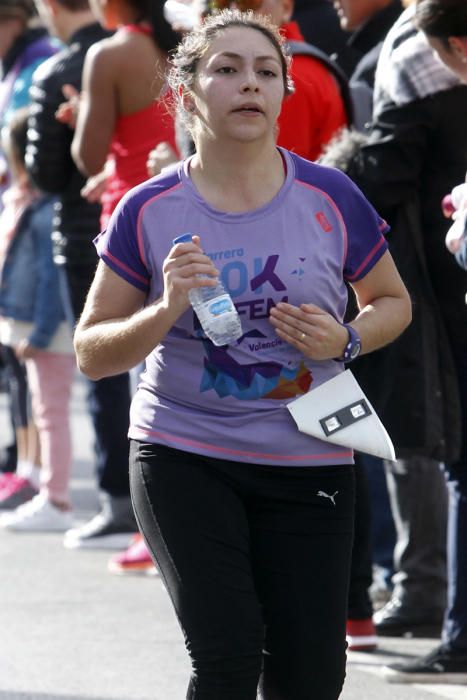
(454, 56)
(239, 88)
(10, 30)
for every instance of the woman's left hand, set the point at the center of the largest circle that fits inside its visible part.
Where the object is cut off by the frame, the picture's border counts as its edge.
(311, 330)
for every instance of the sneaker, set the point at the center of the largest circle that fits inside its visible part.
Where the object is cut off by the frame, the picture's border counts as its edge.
(134, 560)
(38, 515)
(5, 477)
(15, 492)
(440, 666)
(361, 635)
(399, 619)
(102, 532)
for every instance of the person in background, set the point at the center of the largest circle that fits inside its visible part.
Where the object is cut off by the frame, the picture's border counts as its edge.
(320, 25)
(32, 322)
(239, 533)
(119, 121)
(122, 76)
(366, 22)
(454, 207)
(76, 222)
(444, 23)
(23, 46)
(369, 22)
(413, 153)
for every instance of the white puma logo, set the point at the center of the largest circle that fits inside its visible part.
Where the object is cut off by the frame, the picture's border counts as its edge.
(326, 495)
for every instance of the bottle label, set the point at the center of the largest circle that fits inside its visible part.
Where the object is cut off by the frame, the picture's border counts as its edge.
(220, 305)
(214, 308)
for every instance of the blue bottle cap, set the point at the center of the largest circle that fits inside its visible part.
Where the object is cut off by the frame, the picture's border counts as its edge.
(184, 238)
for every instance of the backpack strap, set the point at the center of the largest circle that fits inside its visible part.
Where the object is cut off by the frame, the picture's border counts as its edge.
(302, 48)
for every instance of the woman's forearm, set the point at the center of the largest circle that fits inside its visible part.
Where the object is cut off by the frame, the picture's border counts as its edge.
(382, 321)
(111, 347)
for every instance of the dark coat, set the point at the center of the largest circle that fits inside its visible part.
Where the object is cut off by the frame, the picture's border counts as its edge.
(359, 56)
(417, 153)
(413, 155)
(48, 156)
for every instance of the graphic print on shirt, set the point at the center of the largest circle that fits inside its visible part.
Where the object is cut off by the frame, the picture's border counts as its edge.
(261, 379)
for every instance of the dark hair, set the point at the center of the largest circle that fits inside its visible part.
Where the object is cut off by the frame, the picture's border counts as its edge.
(74, 5)
(24, 9)
(442, 18)
(17, 129)
(194, 45)
(152, 11)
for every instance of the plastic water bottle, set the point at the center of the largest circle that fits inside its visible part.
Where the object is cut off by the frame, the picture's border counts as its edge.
(215, 309)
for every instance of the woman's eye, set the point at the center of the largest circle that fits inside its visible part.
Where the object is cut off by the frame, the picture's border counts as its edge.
(268, 73)
(226, 69)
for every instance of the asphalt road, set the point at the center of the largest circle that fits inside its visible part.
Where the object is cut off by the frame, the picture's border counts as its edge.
(69, 630)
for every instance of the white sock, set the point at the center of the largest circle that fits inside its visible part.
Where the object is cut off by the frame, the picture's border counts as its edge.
(35, 477)
(28, 470)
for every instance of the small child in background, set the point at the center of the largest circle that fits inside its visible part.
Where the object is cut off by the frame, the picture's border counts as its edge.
(32, 325)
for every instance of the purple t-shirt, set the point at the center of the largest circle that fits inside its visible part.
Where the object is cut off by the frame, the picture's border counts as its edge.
(230, 402)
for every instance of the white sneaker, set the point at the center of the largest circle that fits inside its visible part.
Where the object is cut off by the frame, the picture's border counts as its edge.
(37, 515)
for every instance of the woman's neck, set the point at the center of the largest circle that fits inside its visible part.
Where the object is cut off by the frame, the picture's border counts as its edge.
(237, 179)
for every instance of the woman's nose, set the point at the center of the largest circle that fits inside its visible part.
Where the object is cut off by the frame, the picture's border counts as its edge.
(250, 81)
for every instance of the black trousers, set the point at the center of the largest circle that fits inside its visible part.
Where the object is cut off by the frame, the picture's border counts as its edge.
(256, 560)
(361, 571)
(108, 399)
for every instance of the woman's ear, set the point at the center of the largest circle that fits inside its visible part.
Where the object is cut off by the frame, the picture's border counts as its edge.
(187, 102)
(458, 46)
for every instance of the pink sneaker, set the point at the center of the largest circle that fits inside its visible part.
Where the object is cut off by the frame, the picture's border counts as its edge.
(15, 492)
(134, 560)
(5, 478)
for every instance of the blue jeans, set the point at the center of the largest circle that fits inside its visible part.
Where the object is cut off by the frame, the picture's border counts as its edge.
(455, 621)
(108, 399)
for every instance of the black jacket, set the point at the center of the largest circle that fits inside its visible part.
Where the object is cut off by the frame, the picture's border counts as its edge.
(413, 156)
(359, 56)
(48, 156)
(417, 152)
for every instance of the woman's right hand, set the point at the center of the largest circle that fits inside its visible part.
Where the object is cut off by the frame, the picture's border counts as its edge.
(67, 112)
(185, 267)
(160, 157)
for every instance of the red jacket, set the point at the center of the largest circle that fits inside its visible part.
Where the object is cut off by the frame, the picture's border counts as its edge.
(315, 112)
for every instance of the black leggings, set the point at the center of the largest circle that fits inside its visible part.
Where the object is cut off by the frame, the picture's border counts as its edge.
(256, 560)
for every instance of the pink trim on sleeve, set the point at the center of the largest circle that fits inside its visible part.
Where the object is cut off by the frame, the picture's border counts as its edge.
(125, 267)
(139, 224)
(371, 254)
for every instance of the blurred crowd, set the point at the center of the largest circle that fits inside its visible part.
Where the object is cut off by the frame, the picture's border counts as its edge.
(380, 92)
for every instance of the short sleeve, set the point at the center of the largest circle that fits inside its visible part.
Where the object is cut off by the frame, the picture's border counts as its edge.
(366, 242)
(120, 246)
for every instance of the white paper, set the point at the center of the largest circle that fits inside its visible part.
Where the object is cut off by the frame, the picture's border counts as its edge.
(366, 435)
